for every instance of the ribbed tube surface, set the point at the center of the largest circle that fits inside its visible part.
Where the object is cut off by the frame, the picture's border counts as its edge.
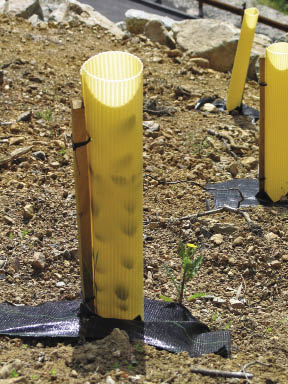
(242, 58)
(113, 92)
(276, 118)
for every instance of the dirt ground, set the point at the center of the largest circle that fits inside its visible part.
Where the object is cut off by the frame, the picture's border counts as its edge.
(38, 233)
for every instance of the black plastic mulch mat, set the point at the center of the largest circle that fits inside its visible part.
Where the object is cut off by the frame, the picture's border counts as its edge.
(168, 326)
(221, 106)
(240, 193)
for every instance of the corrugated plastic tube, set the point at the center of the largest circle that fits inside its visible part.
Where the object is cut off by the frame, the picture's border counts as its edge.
(242, 58)
(276, 117)
(112, 86)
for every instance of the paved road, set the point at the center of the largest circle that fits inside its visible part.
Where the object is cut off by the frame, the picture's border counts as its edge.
(115, 9)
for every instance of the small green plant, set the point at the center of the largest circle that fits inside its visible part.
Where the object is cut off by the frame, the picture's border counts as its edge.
(269, 330)
(11, 235)
(228, 325)
(215, 316)
(25, 346)
(189, 267)
(130, 367)
(35, 377)
(45, 115)
(197, 295)
(14, 373)
(63, 151)
(139, 348)
(53, 372)
(24, 233)
(116, 365)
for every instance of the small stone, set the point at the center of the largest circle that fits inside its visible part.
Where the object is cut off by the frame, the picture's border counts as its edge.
(208, 107)
(60, 284)
(2, 263)
(54, 164)
(218, 301)
(116, 353)
(271, 236)
(201, 62)
(8, 220)
(233, 169)
(40, 155)
(38, 262)
(109, 380)
(151, 128)
(59, 144)
(174, 53)
(74, 373)
(224, 228)
(284, 258)
(275, 264)
(238, 241)
(236, 304)
(250, 162)
(16, 140)
(25, 116)
(28, 212)
(214, 157)
(217, 238)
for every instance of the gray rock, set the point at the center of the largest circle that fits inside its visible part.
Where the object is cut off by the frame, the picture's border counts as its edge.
(73, 12)
(8, 220)
(136, 20)
(156, 32)
(236, 304)
(25, 116)
(40, 155)
(39, 261)
(60, 284)
(28, 212)
(22, 8)
(214, 40)
(34, 20)
(224, 228)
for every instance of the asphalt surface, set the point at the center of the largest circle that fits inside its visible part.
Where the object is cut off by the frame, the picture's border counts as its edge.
(115, 9)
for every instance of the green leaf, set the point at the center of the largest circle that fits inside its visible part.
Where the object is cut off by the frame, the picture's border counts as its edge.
(166, 298)
(181, 250)
(196, 295)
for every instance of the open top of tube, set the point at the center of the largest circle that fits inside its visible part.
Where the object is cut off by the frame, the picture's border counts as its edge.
(113, 66)
(251, 17)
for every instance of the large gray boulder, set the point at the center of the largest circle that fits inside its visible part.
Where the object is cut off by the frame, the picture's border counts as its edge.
(136, 20)
(156, 31)
(21, 8)
(214, 40)
(72, 11)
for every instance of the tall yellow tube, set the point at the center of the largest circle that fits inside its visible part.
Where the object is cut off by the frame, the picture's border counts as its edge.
(242, 57)
(112, 84)
(276, 118)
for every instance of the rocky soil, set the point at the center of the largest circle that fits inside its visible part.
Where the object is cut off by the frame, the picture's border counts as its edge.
(38, 234)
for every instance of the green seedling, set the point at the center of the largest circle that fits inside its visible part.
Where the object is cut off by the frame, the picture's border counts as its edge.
(53, 372)
(215, 316)
(189, 267)
(197, 295)
(11, 235)
(35, 377)
(45, 115)
(14, 373)
(24, 233)
(139, 348)
(269, 330)
(228, 325)
(25, 346)
(116, 365)
(63, 151)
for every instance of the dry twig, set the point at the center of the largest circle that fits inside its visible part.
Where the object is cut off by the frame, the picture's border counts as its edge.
(216, 372)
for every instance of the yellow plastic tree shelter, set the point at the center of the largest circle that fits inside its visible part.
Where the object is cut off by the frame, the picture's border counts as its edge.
(242, 58)
(276, 120)
(112, 85)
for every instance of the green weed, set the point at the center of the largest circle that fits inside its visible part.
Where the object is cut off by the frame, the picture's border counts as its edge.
(45, 115)
(53, 372)
(189, 267)
(215, 316)
(24, 233)
(14, 373)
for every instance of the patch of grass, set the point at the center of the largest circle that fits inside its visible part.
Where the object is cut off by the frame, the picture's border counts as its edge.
(228, 325)
(63, 151)
(189, 267)
(14, 373)
(53, 372)
(215, 316)
(280, 5)
(24, 233)
(45, 115)
(197, 295)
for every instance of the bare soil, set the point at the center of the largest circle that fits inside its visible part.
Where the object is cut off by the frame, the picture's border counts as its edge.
(41, 75)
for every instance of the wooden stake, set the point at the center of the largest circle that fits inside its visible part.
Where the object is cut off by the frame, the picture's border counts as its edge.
(82, 193)
(262, 127)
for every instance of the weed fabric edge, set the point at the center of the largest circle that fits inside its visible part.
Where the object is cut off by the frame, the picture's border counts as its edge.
(168, 326)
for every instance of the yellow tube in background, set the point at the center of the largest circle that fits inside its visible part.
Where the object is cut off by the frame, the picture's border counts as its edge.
(242, 58)
(112, 84)
(276, 118)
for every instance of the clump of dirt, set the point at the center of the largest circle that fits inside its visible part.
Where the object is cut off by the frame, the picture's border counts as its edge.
(38, 233)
